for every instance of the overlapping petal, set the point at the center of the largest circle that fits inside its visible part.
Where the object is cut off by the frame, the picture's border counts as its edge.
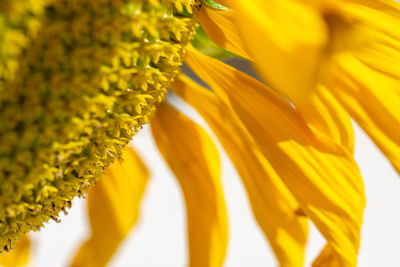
(323, 112)
(320, 110)
(113, 208)
(194, 159)
(320, 173)
(274, 207)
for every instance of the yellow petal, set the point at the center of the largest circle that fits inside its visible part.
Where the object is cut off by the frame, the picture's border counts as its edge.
(287, 41)
(321, 174)
(194, 159)
(366, 80)
(221, 29)
(323, 112)
(19, 256)
(371, 95)
(113, 208)
(274, 207)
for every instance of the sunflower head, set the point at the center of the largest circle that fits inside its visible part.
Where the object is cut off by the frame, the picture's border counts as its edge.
(77, 80)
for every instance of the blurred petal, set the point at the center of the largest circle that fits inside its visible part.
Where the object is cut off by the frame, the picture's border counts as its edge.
(19, 256)
(221, 29)
(113, 208)
(287, 41)
(321, 174)
(274, 207)
(194, 159)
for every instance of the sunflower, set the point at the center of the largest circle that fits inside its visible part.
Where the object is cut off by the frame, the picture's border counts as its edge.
(79, 78)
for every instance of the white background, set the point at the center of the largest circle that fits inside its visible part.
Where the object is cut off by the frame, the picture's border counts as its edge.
(159, 239)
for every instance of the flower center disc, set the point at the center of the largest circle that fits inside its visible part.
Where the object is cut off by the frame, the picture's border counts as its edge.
(78, 78)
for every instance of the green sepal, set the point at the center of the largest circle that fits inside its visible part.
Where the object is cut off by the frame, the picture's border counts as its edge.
(211, 3)
(206, 46)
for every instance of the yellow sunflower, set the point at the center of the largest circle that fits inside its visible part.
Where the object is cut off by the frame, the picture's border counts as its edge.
(78, 78)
